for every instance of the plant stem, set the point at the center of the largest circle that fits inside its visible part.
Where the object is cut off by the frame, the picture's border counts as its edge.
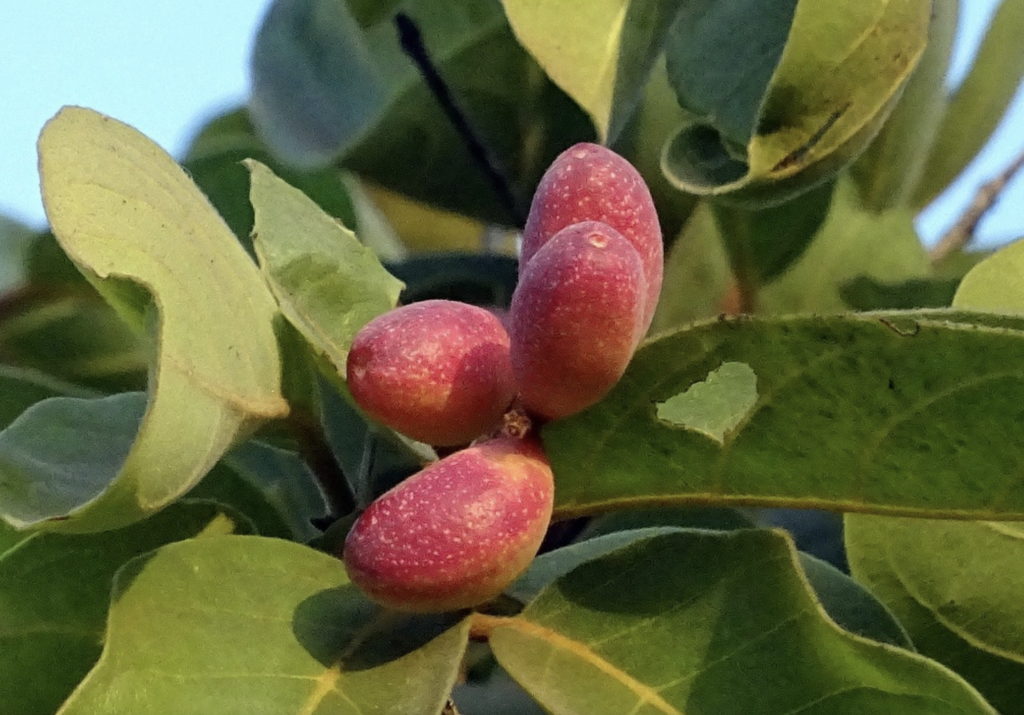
(481, 625)
(987, 196)
(411, 39)
(734, 225)
(317, 454)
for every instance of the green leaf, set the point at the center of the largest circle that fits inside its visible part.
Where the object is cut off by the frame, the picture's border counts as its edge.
(888, 390)
(20, 389)
(978, 104)
(863, 293)
(853, 242)
(716, 406)
(697, 273)
(60, 455)
(892, 167)
(15, 240)
(132, 220)
(782, 103)
(326, 88)
(716, 519)
(708, 622)
(956, 587)
(215, 163)
(605, 61)
(231, 487)
(656, 119)
(73, 335)
(54, 594)
(328, 284)
(763, 243)
(248, 622)
(995, 284)
(283, 480)
(480, 279)
(848, 603)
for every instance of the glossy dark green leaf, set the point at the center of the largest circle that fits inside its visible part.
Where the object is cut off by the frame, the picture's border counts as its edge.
(957, 589)
(605, 61)
(709, 622)
(324, 87)
(249, 622)
(487, 280)
(978, 104)
(55, 591)
(887, 389)
(783, 95)
(891, 168)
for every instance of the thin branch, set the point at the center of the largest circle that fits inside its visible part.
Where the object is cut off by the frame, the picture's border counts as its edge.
(987, 196)
(411, 39)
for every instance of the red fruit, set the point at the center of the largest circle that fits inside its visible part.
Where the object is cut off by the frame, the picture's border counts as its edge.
(588, 182)
(437, 371)
(457, 533)
(577, 316)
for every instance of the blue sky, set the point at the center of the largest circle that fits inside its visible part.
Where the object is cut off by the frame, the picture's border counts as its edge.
(164, 67)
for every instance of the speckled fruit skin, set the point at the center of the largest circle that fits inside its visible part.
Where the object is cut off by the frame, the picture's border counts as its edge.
(577, 316)
(588, 182)
(437, 371)
(457, 533)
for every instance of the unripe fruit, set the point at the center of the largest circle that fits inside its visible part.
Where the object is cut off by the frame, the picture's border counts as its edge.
(437, 371)
(457, 533)
(577, 316)
(588, 182)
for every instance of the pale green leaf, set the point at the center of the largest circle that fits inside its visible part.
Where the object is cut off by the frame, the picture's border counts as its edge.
(957, 589)
(978, 104)
(249, 624)
(770, 124)
(853, 242)
(995, 284)
(715, 406)
(605, 61)
(920, 409)
(891, 168)
(132, 220)
(328, 284)
(55, 591)
(710, 623)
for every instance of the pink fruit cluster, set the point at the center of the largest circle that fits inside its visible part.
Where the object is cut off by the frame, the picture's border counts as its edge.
(457, 533)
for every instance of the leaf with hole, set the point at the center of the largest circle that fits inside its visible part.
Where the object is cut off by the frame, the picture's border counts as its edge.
(887, 389)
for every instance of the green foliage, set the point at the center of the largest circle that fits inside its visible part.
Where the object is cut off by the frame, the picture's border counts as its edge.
(180, 460)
